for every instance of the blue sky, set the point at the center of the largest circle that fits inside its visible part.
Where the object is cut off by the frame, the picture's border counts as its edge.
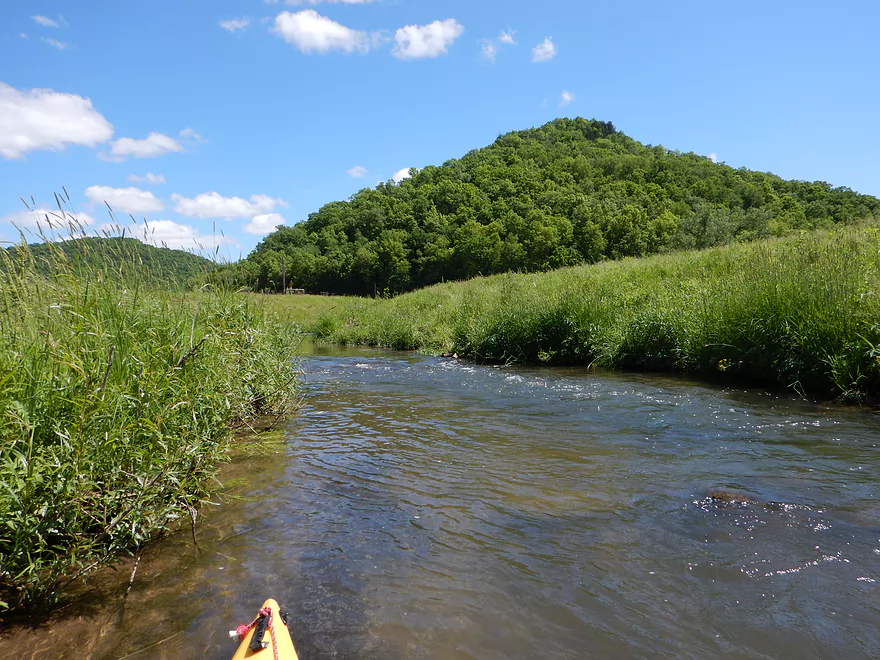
(216, 120)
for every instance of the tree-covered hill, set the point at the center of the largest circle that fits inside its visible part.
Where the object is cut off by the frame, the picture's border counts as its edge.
(569, 192)
(129, 256)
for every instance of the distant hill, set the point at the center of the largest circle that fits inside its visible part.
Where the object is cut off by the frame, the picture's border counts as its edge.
(127, 256)
(572, 191)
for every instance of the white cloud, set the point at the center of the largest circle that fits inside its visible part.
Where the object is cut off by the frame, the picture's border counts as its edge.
(544, 51)
(32, 219)
(264, 224)
(48, 220)
(565, 98)
(149, 177)
(713, 157)
(400, 175)
(167, 233)
(380, 38)
(45, 119)
(45, 22)
(417, 41)
(313, 33)
(357, 171)
(489, 50)
(60, 45)
(234, 24)
(214, 205)
(155, 144)
(125, 200)
(190, 134)
(23, 35)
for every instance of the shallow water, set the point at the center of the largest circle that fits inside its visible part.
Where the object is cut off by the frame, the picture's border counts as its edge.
(430, 508)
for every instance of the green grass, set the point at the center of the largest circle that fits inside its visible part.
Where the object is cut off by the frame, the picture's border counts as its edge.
(302, 310)
(117, 401)
(802, 312)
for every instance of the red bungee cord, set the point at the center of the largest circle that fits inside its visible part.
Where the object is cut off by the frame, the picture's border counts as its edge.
(244, 629)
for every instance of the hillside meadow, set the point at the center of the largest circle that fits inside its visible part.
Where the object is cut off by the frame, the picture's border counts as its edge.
(801, 312)
(302, 310)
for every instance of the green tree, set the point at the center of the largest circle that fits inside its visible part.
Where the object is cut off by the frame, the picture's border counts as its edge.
(626, 232)
(571, 190)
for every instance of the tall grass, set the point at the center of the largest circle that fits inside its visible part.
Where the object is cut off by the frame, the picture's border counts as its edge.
(116, 403)
(299, 309)
(801, 311)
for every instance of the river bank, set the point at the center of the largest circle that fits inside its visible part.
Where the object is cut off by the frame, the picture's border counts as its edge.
(140, 603)
(120, 398)
(799, 312)
(425, 508)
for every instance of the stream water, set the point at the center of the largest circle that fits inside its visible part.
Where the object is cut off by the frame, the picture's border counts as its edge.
(428, 508)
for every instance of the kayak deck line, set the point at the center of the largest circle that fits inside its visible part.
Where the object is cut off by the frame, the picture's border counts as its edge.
(276, 645)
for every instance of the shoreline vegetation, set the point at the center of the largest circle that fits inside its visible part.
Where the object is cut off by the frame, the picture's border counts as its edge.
(801, 312)
(119, 398)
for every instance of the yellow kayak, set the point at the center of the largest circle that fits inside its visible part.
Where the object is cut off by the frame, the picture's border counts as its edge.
(267, 638)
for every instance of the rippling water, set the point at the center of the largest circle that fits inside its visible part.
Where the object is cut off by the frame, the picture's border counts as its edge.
(430, 508)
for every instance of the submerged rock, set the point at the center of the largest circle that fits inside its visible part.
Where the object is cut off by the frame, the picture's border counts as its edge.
(720, 498)
(729, 497)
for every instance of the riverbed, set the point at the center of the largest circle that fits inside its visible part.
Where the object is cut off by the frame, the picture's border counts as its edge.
(420, 507)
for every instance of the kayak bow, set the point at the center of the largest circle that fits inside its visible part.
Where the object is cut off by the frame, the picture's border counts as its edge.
(267, 637)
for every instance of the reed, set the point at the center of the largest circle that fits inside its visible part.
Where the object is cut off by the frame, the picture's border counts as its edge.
(117, 399)
(801, 311)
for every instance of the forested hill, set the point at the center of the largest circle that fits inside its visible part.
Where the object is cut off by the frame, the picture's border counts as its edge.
(568, 192)
(127, 256)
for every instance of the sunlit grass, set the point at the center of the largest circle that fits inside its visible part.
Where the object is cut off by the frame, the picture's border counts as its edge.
(800, 311)
(300, 309)
(116, 402)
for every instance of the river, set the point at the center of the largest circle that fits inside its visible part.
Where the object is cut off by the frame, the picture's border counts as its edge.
(420, 507)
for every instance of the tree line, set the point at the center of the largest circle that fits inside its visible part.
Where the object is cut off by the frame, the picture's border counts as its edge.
(124, 257)
(569, 192)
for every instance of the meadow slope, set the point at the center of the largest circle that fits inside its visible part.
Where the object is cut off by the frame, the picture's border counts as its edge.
(800, 311)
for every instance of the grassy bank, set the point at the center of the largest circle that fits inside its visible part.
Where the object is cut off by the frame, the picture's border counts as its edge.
(117, 402)
(801, 312)
(303, 310)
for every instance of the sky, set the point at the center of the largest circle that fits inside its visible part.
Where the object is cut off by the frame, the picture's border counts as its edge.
(204, 124)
